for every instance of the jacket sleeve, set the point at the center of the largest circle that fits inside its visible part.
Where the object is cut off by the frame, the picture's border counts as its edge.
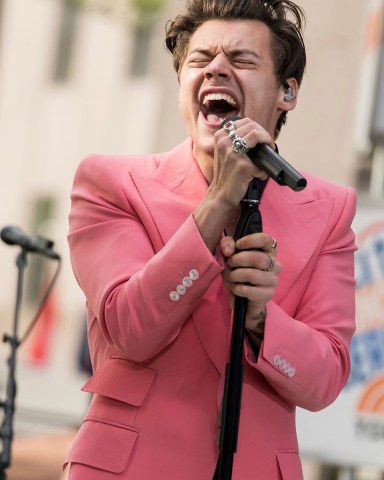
(140, 294)
(306, 358)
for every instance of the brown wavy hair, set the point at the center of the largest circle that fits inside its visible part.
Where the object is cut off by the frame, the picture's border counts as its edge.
(284, 18)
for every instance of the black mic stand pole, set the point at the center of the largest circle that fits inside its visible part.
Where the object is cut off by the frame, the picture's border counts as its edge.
(249, 222)
(6, 432)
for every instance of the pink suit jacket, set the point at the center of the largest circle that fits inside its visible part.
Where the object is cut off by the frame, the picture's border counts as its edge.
(159, 358)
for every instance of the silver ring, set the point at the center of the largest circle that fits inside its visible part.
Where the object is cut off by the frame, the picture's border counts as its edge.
(271, 265)
(239, 145)
(229, 126)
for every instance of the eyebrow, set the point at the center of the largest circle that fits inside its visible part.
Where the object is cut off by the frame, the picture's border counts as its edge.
(243, 51)
(231, 53)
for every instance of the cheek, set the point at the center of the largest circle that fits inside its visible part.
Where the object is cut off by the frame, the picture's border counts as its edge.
(183, 108)
(190, 81)
(262, 107)
(186, 106)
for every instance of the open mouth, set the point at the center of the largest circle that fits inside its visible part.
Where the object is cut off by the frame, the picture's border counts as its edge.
(218, 106)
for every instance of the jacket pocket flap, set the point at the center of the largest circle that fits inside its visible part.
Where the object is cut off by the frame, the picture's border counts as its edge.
(122, 380)
(290, 465)
(99, 445)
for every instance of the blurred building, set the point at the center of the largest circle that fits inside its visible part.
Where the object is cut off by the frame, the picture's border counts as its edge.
(83, 76)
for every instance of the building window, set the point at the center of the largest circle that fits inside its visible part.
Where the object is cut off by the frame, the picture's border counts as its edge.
(139, 65)
(146, 13)
(370, 143)
(363, 174)
(66, 40)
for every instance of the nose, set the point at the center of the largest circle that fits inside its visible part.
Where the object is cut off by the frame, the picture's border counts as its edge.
(219, 66)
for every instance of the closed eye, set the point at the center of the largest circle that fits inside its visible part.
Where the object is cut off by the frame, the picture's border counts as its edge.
(244, 57)
(198, 62)
(243, 62)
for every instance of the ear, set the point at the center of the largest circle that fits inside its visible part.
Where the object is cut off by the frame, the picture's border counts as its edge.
(289, 93)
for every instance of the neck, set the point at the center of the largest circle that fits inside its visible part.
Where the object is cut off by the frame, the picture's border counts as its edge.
(205, 162)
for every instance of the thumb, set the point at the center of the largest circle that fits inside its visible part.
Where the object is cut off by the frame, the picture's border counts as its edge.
(227, 246)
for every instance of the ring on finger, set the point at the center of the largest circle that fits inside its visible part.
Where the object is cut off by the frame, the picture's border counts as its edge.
(229, 126)
(274, 244)
(271, 265)
(239, 145)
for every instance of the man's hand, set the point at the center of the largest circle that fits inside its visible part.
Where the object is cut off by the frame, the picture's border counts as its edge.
(252, 271)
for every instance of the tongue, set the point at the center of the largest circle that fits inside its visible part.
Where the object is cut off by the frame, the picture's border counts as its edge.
(213, 118)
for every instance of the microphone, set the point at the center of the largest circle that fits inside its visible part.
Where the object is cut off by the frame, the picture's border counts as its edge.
(265, 158)
(15, 236)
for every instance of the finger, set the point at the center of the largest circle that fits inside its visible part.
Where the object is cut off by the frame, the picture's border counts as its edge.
(271, 265)
(273, 245)
(251, 277)
(256, 136)
(254, 259)
(228, 246)
(259, 295)
(253, 133)
(260, 241)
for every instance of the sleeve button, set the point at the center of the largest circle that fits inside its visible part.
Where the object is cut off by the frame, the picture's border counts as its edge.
(276, 360)
(194, 274)
(282, 364)
(174, 296)
(187, 281)
(180, 289)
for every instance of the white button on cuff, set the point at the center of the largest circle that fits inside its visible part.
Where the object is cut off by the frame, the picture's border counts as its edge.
(284, 365)
(287, 367)
(194, 274)
(180, 289)
(187, 281)
(174, 296)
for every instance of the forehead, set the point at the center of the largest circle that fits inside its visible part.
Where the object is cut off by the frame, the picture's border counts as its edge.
(230, 35)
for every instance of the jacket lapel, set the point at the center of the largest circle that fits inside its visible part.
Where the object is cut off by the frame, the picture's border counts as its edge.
(297, 220)
(171, 194)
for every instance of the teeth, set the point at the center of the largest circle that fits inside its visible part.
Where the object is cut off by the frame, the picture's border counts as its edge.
(219, 96)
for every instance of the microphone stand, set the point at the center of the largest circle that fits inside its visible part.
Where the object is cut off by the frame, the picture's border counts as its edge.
(249, 222)
(6, 432)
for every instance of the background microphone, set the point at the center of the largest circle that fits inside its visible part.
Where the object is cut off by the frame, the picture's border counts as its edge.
(268, 160)
(15, 236)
